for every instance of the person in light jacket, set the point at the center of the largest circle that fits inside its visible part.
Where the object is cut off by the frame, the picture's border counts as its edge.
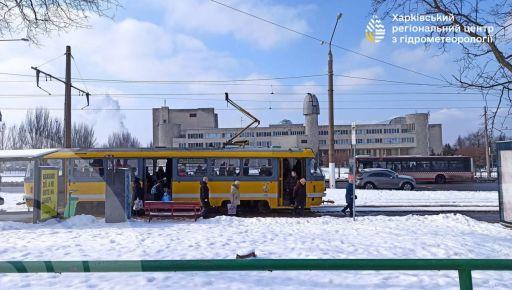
(235, 195)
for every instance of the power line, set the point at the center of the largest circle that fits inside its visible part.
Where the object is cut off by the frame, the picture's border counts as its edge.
(256, 108)
(246, 81)
(246, 100)
(324, 41)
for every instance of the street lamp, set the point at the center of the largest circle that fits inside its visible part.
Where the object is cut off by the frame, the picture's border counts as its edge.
(15, 39)
(330, 92)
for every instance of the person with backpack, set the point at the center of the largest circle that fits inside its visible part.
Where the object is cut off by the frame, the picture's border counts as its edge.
(157, 191)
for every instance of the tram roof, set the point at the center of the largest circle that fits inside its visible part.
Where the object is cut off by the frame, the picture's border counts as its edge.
(168, 152)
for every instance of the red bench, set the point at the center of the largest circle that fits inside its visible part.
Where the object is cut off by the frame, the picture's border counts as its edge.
(172, 209)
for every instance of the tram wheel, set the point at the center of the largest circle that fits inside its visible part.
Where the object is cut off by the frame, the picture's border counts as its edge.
(263, 206)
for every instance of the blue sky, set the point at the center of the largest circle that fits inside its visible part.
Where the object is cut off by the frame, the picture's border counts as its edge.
(200, 40)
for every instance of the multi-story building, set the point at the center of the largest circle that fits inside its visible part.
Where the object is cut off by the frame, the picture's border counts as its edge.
(411, 134)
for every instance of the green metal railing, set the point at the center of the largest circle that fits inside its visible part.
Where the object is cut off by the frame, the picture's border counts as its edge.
(463, 266)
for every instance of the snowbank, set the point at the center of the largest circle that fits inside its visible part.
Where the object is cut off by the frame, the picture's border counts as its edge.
(84, 237)
(416, 198)
(11, 200)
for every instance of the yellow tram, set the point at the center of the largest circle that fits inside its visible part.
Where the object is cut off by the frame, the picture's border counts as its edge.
(262, 172)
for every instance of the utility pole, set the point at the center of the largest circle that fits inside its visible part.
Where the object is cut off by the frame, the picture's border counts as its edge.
(487, 149)
(67, 100)
(330, 92)
(67, 94)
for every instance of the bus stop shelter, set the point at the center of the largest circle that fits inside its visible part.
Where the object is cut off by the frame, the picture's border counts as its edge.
(504, 149)
(45, 181)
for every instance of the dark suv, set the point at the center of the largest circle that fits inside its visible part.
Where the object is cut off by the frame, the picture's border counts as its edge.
(384, 178)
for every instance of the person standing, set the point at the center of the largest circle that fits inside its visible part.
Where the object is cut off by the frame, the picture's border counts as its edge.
(349, 198)
(291, 181)
(204, 195)
(299, 193)
(235, 198)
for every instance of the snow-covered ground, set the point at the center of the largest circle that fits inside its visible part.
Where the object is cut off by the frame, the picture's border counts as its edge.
(84, 237)
(416, 198)
(11, 200)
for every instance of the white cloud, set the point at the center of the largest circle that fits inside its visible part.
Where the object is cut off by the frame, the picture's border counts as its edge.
(456, 122)
(420, 59)
(208, 17)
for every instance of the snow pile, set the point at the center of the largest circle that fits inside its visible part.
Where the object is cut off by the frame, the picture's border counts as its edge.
(441, 236)
(416, 198)
(11, 200)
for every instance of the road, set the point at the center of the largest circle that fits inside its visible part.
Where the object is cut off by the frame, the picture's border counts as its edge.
(462, 186)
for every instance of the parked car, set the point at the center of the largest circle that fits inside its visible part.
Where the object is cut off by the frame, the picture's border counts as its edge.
(384, 178)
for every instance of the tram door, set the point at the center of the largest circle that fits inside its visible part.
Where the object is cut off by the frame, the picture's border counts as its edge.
(154, 171)
(286, 179)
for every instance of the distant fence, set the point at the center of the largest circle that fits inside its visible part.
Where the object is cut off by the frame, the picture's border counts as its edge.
(463, 266)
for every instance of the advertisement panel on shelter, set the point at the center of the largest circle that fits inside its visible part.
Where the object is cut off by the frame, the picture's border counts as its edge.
(49, 192)
(506, 186)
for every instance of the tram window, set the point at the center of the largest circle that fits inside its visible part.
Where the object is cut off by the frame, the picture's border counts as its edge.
(257, 167)
(226, 167)
(314, 168)
(192, 167)
(87, 168)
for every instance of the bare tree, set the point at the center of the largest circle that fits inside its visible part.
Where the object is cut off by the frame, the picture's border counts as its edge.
(41, 130)
(122, 140)
(82, 136)
(485, 62)
(32, 18)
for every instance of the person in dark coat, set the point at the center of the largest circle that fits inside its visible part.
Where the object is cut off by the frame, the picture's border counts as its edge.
(160, 173)
(299, 194)
(349, 198)
(290, 183)
(204, 195)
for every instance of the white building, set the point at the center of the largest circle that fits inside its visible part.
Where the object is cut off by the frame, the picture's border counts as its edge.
(411, 134)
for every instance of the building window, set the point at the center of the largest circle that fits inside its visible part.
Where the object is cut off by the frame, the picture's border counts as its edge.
(408, 128)
(391, 140)
(263, 134)
(323, 132)
(391, 131)
(195, 136)
(304, 141)
(341, 132)
(408, 140)
(322, 142)
(214, 144)
(195, 145)
(280, 133)
(297, 133)
(263, 143)
(182, 145)
(192, 115)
